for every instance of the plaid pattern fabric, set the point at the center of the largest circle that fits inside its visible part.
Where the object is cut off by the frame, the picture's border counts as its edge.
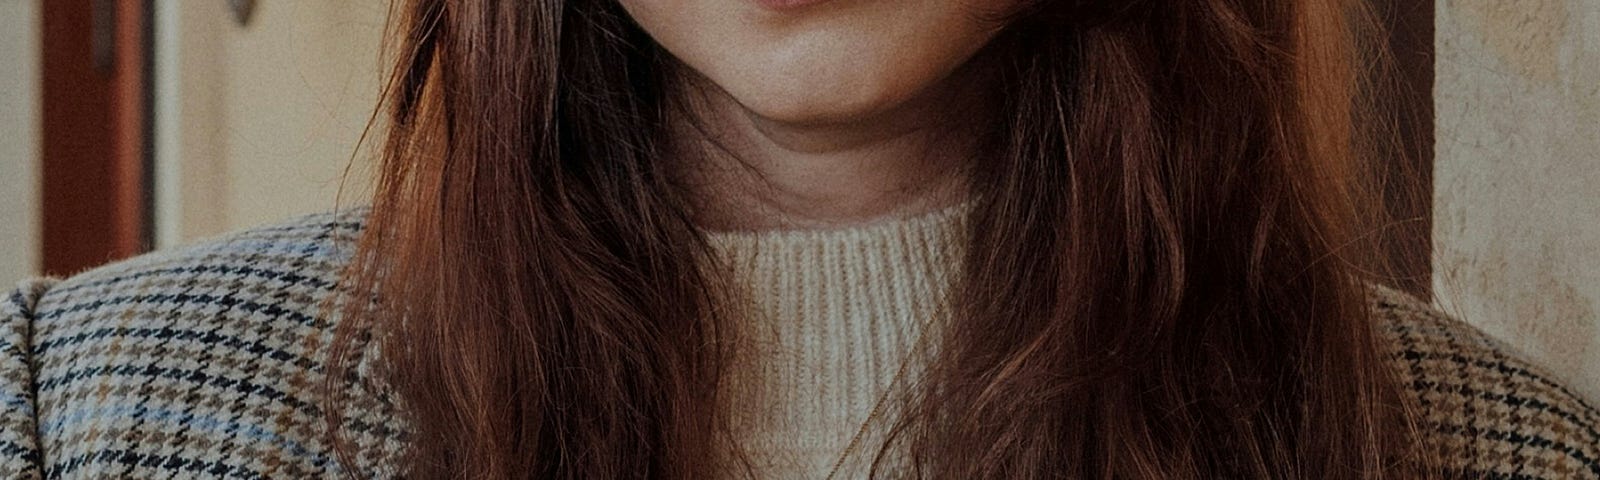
(205, 362)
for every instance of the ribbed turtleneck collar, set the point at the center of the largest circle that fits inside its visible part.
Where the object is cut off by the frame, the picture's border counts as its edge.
(828, 317)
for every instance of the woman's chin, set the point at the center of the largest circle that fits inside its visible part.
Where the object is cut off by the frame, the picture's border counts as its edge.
(818, 101)
(804, 112)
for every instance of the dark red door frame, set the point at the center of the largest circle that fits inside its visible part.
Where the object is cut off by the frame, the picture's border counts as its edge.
(95, 142)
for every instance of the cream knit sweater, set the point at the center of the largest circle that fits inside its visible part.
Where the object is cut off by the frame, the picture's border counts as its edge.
(832, 317)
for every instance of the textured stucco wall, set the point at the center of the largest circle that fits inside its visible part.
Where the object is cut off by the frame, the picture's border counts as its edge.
(1517, 188)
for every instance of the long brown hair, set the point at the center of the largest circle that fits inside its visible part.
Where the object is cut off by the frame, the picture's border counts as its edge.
(1166, 275)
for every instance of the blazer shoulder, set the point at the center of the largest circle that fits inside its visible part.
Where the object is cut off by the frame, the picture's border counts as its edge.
(273, 277)
(1485, 408)
(200, 361)
(303, 255)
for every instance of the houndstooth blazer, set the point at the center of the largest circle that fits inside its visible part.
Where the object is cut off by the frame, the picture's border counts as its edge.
(205, 362)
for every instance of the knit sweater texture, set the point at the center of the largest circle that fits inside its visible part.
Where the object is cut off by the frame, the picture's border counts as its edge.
(205, 362)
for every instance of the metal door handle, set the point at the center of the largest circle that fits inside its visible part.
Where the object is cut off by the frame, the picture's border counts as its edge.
(242, 10)
(103, 35)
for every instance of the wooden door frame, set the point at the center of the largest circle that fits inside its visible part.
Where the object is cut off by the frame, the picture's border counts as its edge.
(95, 142)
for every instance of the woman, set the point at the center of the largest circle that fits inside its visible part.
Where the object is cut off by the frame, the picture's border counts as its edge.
(809, 239)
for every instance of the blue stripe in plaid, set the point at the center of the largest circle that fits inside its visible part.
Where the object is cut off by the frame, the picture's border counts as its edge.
(186, 420)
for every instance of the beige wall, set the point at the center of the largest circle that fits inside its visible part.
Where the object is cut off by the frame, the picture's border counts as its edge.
(19, 139)
(1517, 199)
(268, 115)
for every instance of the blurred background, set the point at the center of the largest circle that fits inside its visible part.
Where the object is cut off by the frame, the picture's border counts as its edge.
(128, 125)
(131, 125)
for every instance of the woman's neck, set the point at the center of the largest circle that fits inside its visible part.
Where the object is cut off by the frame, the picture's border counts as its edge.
(753, 174)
